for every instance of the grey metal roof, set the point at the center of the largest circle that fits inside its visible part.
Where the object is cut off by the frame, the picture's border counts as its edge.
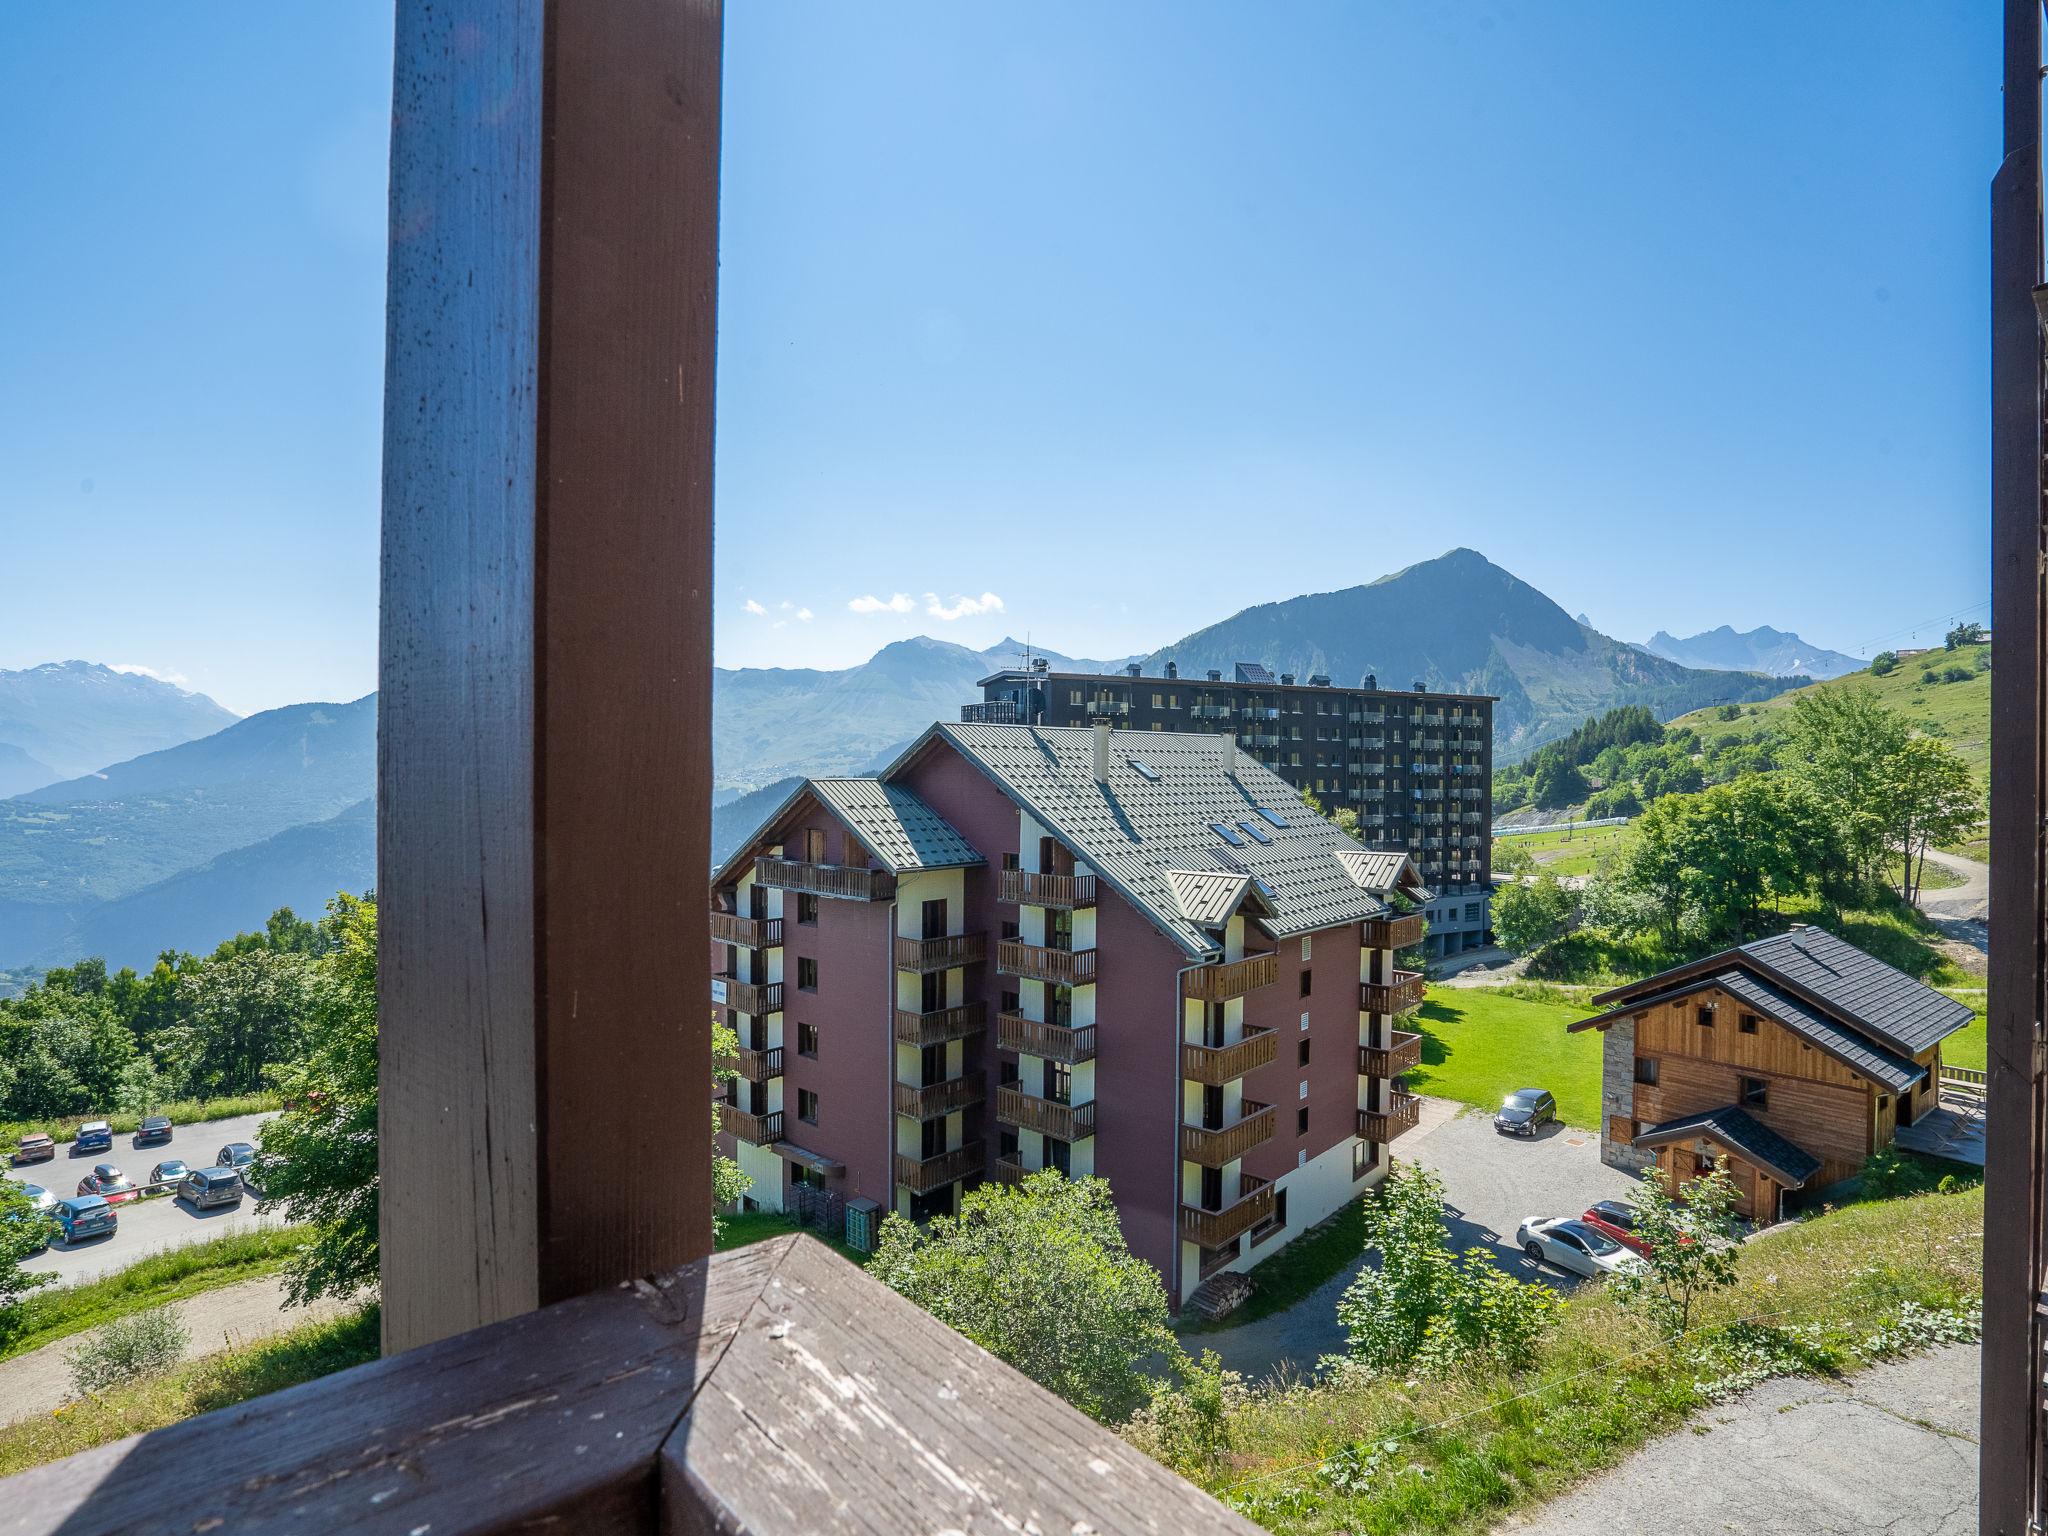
(1207, 897)
(899, 829)
(1381, 870)
(1132, 831)
(1905, 1014)
(1742, 1133)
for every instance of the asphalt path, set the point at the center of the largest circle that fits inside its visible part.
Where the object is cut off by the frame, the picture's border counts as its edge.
(146, 1226)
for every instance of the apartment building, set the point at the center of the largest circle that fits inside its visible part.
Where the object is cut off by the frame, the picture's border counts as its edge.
(1123, 953)
(1416, 766)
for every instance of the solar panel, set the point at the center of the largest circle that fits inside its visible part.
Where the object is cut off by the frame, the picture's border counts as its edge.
(1226, 834)
(1254, 833)
(1271, 815)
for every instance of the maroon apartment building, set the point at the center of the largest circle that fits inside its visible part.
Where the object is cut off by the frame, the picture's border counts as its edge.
(1123, 953)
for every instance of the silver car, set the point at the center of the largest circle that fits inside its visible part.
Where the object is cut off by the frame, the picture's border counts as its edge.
(205, 1189)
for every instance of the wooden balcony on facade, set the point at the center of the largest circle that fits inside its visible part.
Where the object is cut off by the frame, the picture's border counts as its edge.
(1398, 1118)
(1212, 1229)
(1214, 1065)
(1220, 983)
(1393, 932)
(838, 882)
(755, 997)
(941, 1024)
(1024, 887)
(939, 1099)
(1396, 996)
(1009, 1171)
(759, 1066)
(753, 932)
(922, 1175)
(1049, 1117)
(761, 1130)
(1038, 962)
(1214, 1148)
(1404, 1055)
(1056, 1042)
(941, 954)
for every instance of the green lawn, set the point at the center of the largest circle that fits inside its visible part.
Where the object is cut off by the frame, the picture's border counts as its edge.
(1966, 1047)
(1481, 1043)
(744, 1228)
(1566, 853)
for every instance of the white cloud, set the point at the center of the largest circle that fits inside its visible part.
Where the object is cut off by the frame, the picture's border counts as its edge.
(961, 607)
(756, 609)
(136, 668)
(869, 603)
(805, 614)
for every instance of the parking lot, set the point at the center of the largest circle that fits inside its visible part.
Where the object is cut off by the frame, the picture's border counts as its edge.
(1491, 1182)
(146, 1226)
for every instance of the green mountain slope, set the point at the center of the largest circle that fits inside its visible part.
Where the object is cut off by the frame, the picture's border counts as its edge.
(75, 716)
(1460, 622)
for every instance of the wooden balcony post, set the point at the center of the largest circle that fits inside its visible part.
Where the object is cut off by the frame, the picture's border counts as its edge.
(545, 637)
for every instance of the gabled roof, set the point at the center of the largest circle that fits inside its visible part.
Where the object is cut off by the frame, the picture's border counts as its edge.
(1143, 824)
(1384, 870)
(1744, 1135)
(1209, 898)
(898, 828)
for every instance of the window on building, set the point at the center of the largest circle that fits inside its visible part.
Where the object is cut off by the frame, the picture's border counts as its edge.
(1646, 1070)
(1058, 1154)
(1302, 1053)
(1074, 697)
(1280, 1209)
(1704, 1014)
(1013, 861)
(1059, 1082)
(1301, 1121)
(814, 845)
(1756, 1093)
(807, 1106)
(807, 909)
(1011, 1002)
(807, 1040)
(801, 1177)
(1305, 945)
(1305, 978)
(1010, 928)
(1159, 701)
(806, 974)
(1303, 1093)
(1748, 1024)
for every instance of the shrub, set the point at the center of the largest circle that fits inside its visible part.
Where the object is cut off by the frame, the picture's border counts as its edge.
(129, 1347)
(1884, 663)
(1956, 674)
(1692, 1249)
(1930, 676)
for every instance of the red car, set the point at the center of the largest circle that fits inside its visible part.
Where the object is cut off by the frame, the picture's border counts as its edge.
(109, 1183)
(1613, 1218)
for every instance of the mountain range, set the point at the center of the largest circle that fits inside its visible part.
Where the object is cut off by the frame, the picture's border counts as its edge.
(1774, 652)
(184, 842)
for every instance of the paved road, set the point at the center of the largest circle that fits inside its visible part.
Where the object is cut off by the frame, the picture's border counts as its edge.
(147, 1226)
(1491, 1182)
(1892, 1449)
(1968, 902)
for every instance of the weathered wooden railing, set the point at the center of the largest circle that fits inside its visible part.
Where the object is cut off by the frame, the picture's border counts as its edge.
(1034, 1037)
(1396, 996)
(1211, 1228)
(941, 1024)
(753, 932)
(922, 1175)
(1027, 888)
(1403, 1055)
(1400, 1116)
(762, 1130)
(1214, 1148)
(840, 882)
(1049, 1117)
(941, 954)
(1039, 962)
(1215, 1065)
(1219, 983)
(935, 1099)
(1393, 932)
(756, 997)
(773, 1389)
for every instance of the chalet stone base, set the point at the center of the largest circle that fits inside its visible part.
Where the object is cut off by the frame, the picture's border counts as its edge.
(1618, 1096)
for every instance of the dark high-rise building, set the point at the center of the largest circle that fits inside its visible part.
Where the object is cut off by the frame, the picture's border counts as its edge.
(1417, 766)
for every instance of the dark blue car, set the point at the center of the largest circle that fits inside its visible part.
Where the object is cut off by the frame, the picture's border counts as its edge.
(94, 1136)
(84, 1216)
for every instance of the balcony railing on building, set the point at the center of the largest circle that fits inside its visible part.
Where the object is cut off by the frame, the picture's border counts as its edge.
(1403, 1055)
(922, 1175)
(751, 932)
(759, 1066)
(756, 997)
(1396, 996)
(1398, 1118)
(1025, 887)
(1212, 1148)
(941, 1024)
(1009, 1171)
(1220, 983)
(1215, 1065)
(994, 712)
(1069, 1043)
(1212, 1229)
(1393, 932)
(1039, 962)
(934, 1100)
(1049, 1117)
(837, 882)
(761, 1130)
(941, 954)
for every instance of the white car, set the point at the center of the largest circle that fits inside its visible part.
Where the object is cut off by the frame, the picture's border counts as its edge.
(1569, 1243)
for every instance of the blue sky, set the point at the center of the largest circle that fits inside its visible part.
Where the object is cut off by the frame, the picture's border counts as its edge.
(1124, 315)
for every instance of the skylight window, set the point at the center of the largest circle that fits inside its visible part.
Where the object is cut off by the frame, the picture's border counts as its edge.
(1271, 815)
(1256, 834)
(1226, 834)
(1264, 889)
(1145, 770)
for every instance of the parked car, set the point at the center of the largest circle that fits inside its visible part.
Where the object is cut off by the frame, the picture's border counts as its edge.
(1525, 1111)
(41, 1198)
(171, 1170)
(154, 1131)
(108, 1182)
(205, 1188)
(85, 1216)
(1616, 1220)
(94, 1136)
(41, 1217)
(1569, 1243)
(35, 1148)
(240, 1156)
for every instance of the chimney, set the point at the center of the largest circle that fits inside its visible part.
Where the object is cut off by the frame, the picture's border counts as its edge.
(1102, 751)
(1134, 670)
(1229, 755)
(1173, 669)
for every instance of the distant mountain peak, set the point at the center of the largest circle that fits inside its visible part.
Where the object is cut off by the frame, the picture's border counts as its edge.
(1775, 652)
(75, 717)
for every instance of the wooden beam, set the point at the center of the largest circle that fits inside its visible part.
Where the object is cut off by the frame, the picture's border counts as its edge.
(545, 712)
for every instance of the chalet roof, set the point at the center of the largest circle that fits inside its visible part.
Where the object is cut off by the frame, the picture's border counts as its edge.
(1208, 898)
(898, 828)
(1744, 1135)
(1152, 823)
(1384, 870)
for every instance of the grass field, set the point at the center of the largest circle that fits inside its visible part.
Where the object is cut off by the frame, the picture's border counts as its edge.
(744, 1228)
(1565, 853)
(1479, 1044)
